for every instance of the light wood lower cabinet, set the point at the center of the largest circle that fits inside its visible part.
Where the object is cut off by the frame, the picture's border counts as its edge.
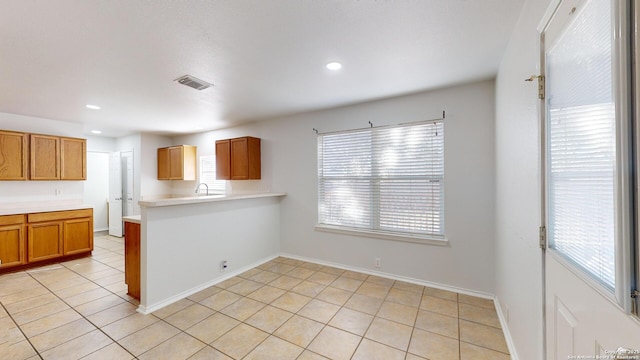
(32, 238)
(12, 241)
(132, 258)
(45, 241)
(59, 233)
(78, 236)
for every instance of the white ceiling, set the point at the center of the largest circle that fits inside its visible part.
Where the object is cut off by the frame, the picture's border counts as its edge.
(265, 57)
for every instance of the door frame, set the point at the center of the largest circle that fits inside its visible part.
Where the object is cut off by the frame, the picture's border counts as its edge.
(627, 270)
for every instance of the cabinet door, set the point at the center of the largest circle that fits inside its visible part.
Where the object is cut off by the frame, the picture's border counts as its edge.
(45, 157)
(13, 155)
(132, 258)
(11, 245)
(176, 165)
(253, 158)
(73, 156)
(239, 159)
(44, 241)
(163, 164)
(78, 236)
(223, 159)
(188, 162)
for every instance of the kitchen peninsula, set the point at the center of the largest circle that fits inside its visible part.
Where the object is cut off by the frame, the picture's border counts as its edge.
(184, 241)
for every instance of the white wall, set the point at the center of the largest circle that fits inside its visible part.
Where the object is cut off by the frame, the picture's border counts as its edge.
(182, 246)
(100, 144)
(29, 192)
(518, 265)
(147, 167)
(96, 189)
(289, 165)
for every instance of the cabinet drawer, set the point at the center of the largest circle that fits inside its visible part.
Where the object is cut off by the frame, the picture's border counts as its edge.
(59, 215)
(11, 219)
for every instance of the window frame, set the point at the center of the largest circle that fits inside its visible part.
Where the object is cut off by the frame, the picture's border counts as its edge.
(214, 188)
(373, 231)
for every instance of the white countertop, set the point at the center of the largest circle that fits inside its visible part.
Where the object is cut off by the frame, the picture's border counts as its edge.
(136, 219)
(205, 199)
(38, 208)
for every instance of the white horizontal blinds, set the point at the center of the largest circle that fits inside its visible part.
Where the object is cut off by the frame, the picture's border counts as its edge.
(410, 170)
(582, 143)
(384, 179)
(208, 175)
(345, 179)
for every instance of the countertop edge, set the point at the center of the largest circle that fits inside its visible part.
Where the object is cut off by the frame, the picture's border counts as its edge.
(206, 199)
(40, 209)
(136, 219)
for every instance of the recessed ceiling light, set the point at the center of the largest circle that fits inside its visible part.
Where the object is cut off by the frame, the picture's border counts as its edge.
(96, 132)
(93, 107)
(334, 65)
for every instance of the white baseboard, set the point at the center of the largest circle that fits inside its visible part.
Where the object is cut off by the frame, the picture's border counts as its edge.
(505, 329)
(159, 305)
(469, 292)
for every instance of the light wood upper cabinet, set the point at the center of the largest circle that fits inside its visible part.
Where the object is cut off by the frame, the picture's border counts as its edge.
(12, 240)
(163, 164)
(45, 157)
(42, 157)
(14, 157)
(177, 163)
(73, 159)
(238, 159)
(223, 159)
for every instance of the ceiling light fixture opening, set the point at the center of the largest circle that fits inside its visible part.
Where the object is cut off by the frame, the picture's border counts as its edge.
(334, 65)
(93, 107)
(96, 132)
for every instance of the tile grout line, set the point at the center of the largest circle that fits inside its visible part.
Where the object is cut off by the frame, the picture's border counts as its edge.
(325, 324)
(21, 331)
(81, 315)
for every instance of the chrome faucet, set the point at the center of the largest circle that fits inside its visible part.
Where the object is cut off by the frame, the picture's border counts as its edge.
(205, 185)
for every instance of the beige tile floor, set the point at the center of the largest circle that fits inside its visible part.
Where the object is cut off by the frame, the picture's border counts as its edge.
(283, 309)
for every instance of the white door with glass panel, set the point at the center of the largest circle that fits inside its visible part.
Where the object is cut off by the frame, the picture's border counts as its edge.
(588, 208)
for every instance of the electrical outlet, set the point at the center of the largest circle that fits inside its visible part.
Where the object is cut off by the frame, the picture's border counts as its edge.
(223, 266)
(377, 262)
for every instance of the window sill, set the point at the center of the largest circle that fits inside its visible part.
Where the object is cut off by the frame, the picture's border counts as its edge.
(429, 240)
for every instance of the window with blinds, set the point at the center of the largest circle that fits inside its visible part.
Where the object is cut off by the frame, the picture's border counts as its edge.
(387, 180)
(208, 176)
(581, 144)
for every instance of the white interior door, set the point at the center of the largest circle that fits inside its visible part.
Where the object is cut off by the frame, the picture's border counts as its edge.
(96, 188)
(127, 182)
(587, 210)
(115, 194)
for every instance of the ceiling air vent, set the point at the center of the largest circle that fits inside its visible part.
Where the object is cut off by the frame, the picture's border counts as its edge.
(194, 82)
